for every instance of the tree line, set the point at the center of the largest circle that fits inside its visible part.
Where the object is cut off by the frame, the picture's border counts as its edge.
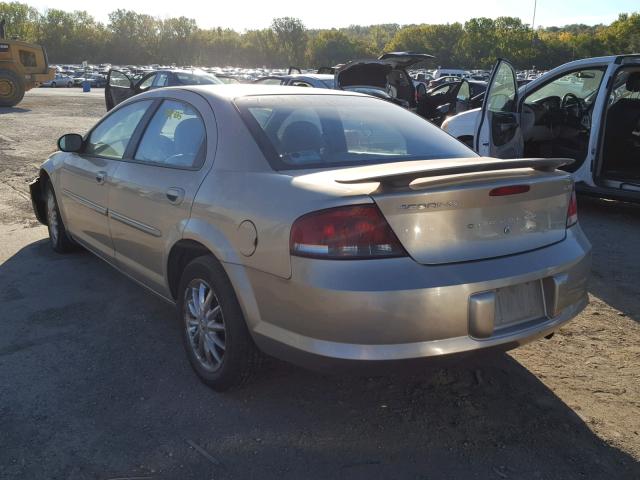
(131, 38)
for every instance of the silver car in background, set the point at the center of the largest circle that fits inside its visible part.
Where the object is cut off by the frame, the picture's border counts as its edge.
(317, 226)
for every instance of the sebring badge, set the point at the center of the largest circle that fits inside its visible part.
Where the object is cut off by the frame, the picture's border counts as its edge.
(429, 205)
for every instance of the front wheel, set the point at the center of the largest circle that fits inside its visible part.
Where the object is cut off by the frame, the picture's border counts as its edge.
(215, 335)
(53, 85)
(58, 237)
(11, 88)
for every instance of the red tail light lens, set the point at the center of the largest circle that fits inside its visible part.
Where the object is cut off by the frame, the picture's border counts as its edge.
(509, 190)
(350, 232)
(572, 211)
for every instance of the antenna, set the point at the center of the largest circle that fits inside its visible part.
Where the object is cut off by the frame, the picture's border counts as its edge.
(533, 28)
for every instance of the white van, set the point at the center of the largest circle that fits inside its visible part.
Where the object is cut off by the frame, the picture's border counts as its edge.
(451, 72)
(586, 110)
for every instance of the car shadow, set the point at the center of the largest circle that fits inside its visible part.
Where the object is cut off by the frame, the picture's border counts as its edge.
(613, 228)
(101, 388)
(5, 110)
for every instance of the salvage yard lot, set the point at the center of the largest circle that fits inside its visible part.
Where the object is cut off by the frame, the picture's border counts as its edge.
(94, 383)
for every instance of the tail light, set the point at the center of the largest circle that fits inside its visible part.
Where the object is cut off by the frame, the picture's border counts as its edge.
(509, 190)
(572, 211)
(345, 233)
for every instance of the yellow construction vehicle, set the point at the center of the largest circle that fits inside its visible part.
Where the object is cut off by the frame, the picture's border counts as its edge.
(23, 66)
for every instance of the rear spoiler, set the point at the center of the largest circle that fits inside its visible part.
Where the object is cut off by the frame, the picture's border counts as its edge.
(397, 177)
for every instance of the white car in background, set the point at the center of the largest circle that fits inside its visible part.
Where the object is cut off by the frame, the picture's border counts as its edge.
(587, 110)
(60, 80)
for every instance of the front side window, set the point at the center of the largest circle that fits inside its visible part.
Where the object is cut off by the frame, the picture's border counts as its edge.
(162, 80)
(464, 92)
(581, 85)
(175, 137)
(309, 131)
(118, 79)
(503, 90)
(111, 137)
(147, 82)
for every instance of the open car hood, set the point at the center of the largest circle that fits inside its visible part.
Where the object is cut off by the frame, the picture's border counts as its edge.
(373, 72)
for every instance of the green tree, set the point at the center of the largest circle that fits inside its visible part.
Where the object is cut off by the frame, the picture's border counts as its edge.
(331, 47)
(292, 39)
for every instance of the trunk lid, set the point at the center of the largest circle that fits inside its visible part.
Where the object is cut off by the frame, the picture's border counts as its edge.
(442, 211)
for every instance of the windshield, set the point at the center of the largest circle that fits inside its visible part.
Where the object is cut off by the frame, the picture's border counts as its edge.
(326, 131)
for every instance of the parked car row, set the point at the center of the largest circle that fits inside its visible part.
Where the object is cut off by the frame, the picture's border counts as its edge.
(60, 80)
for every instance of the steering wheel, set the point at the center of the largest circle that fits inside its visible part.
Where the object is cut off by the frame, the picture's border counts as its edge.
(572, 100)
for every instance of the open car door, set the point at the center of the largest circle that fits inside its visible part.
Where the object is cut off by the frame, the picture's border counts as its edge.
(119, 87)
(498, 133)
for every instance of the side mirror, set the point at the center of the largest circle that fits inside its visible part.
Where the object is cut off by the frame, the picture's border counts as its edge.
(71, 142)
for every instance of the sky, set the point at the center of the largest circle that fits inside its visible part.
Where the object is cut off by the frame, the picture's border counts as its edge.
(256, 14)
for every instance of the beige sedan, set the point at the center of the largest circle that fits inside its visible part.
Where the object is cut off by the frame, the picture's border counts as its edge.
(317, 225)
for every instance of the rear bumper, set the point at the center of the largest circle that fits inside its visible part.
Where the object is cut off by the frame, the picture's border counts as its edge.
(397, 309)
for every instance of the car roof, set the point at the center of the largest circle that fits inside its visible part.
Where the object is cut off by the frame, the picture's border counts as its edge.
(314, 76)
(231, 91)
(317, 76)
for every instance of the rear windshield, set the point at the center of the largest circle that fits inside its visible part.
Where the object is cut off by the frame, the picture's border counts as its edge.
(325, 131)
(197, 79)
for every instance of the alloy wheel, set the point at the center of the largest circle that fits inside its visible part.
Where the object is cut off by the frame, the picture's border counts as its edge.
(204, 324)
(52, 217)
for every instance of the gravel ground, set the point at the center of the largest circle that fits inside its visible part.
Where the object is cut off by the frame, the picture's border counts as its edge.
(94, 382)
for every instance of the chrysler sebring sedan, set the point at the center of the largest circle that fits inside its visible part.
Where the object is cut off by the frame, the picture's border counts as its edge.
(316, 225)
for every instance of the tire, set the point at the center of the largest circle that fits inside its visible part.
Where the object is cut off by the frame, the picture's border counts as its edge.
(54, 84)
(11, 88)
(70, 84)
(58, 237)
(225, 356)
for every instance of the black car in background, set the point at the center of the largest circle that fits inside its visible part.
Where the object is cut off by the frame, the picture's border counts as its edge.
(385, 76)
(450, 98)
(121, 85)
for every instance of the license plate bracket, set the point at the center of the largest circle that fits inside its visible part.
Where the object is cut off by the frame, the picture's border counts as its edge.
(519, 303)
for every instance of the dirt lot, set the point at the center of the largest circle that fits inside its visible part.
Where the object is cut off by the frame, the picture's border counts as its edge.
(94, 382)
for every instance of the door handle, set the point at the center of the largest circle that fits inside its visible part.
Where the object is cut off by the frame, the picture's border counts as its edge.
(100, 177)
(175, 195)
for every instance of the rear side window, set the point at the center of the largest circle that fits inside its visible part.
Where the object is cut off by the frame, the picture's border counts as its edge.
(197, 79)
(111, 137)
(326, 131)
(175, 137)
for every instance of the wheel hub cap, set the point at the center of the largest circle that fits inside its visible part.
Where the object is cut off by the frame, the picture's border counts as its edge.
(52, 217)
(204, 324)
(6, 88)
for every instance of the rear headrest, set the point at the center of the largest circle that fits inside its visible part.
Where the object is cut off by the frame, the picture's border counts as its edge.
(633, 82)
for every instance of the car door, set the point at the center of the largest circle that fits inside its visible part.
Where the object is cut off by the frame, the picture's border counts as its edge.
(119, 87)
(498, 132)
(154, 187)
(85, 177)
(434, 105)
